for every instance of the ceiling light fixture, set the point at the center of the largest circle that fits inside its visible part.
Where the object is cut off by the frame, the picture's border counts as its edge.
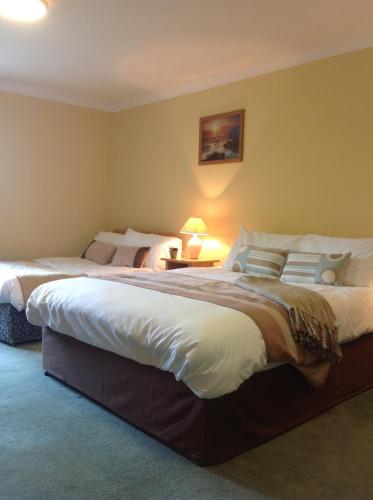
(23, 10)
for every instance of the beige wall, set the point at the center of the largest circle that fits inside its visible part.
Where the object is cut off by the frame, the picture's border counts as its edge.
(308, 155)
(308, 162)
(54, 162)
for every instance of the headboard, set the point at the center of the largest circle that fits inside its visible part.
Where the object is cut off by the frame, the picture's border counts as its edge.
(184, 237)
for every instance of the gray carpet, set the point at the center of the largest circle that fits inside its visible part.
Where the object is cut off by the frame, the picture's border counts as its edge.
(55, 444)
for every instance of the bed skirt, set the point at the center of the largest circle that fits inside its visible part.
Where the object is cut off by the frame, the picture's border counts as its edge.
(14, 327)
(207, 431)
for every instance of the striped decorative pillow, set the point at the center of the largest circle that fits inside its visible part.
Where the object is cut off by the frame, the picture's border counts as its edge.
(325, 269)
(261, 262)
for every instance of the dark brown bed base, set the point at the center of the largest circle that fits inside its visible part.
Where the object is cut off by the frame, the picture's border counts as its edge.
(207, 431)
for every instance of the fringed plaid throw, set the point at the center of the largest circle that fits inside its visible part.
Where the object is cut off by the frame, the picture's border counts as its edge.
(312, 320)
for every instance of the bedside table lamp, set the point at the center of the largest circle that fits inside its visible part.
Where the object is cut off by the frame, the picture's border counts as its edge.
(196, 227)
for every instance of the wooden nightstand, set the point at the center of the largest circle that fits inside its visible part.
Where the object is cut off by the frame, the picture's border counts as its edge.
(177, 263)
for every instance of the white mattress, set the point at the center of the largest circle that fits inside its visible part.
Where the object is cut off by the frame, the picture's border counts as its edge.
(10, 289)
(213, 349)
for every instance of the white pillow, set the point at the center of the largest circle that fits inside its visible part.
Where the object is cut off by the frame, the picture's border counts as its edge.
(360, 269)
(110, 238)
(235, 249)
(262, 240)
(159, 246)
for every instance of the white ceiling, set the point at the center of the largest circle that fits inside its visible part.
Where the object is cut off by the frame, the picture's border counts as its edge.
(116, 54)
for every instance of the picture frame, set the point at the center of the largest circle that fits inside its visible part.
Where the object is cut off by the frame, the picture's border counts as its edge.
(221, 138)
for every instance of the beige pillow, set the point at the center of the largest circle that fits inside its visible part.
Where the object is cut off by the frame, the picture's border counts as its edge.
(130, 256)
(99, 252)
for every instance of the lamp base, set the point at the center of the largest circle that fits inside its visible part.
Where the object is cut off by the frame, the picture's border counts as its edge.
(194, 247)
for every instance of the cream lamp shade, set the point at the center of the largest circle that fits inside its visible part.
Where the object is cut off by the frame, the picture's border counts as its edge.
(196, 227)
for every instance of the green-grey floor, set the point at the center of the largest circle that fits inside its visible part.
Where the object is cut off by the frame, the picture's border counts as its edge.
(56, 444)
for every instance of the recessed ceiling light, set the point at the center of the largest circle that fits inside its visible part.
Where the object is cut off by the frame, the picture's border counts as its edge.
(23, 10)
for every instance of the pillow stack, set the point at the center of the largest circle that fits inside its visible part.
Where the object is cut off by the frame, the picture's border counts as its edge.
(359, 271)
(159, 246)
(261, 240)
(132, 249)
(303, 259)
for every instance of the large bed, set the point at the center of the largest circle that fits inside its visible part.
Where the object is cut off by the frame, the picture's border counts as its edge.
(193, 374)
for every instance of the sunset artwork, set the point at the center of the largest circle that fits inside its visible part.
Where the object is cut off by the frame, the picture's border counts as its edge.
(221, 138)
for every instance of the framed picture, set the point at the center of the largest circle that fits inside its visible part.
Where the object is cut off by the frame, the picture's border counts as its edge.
(221, 138)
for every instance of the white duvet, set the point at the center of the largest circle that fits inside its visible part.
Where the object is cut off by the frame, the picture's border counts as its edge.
(213, 349)
(10, 288)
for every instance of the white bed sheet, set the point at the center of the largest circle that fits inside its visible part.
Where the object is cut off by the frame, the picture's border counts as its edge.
(10, 288)
(213, 349)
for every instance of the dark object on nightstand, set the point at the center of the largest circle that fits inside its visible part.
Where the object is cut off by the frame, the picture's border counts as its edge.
(173, 252)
